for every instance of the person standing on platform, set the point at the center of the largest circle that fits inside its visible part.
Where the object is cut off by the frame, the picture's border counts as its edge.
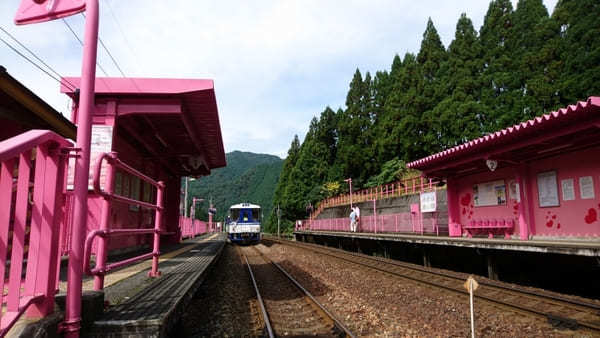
(357, 213)
(352, 221)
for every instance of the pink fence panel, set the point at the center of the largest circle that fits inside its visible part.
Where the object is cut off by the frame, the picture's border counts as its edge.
(406, 222)
(192, 228)
(31, 188)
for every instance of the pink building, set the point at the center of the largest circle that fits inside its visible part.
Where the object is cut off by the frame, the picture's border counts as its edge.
(164, 128)
(538, 179)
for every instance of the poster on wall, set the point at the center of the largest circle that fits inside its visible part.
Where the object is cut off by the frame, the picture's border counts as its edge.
(586, 187)
(514, 191)
(101, 143)
(547, 189)
(489, 193)
(568, 189)
(428, 201)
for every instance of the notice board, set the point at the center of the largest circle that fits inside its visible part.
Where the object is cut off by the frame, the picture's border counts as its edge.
(489, 193)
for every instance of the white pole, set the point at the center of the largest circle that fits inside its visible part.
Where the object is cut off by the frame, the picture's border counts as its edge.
(471, 301)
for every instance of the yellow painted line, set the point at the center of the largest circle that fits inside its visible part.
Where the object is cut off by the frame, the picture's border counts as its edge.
(119, 275)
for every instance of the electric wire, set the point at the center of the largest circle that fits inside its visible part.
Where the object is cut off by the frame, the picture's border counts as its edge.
(114, 60)
(114, 16)
(81, 42)
(60, 79)
(34, 63)
(107, 52)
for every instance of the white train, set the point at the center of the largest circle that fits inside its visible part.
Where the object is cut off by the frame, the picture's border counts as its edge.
(244, 223)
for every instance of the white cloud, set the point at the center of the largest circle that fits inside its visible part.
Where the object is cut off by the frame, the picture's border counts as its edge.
(275, 63)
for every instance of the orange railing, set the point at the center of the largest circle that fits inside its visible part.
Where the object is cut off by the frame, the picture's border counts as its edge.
(403, 187)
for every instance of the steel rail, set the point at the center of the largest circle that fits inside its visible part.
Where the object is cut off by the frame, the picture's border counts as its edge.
(340, 326)
(569, 321)
(265, 315)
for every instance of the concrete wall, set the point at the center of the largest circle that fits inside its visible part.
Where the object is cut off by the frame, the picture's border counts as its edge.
(394, 205)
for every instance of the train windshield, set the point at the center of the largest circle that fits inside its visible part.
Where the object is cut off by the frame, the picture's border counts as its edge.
(244, 214)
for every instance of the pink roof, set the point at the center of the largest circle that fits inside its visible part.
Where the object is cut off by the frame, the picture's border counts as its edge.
(122, 85)
(546, 123)
(187, 125)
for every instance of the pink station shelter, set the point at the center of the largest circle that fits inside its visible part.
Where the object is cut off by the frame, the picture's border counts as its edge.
(165, 129)
(537, 179)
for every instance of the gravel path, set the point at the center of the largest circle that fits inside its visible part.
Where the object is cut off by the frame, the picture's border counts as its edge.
(377, 304)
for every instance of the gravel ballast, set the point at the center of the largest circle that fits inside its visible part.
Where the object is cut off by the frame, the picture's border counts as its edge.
(378, 304)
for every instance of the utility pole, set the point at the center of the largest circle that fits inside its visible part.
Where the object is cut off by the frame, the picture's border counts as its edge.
(278, 219)
(185, 196)
(349, 180)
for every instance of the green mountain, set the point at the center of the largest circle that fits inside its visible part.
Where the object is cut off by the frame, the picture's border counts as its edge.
(248, 177)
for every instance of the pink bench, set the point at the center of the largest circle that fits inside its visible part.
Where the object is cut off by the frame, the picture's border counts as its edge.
(490, 226)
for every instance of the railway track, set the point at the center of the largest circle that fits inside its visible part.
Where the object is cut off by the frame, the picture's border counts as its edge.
(288, 309)
(559, 310)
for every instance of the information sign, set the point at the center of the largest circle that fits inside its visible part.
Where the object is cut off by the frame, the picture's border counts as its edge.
(586, 187)
(547, 189)
(428, 201)
(489, 193)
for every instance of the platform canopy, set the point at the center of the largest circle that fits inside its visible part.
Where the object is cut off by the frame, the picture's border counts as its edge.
(569, 129)
(174, 121)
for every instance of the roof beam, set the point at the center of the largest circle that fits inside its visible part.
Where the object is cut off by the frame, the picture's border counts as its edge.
(187, 122)
(151, 148)
(161, 107)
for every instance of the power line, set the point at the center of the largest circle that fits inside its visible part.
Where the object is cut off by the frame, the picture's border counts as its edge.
(60, 79)
(114, 16)
(113, 59)
(81, 42)
(107, 52)
(33, 63)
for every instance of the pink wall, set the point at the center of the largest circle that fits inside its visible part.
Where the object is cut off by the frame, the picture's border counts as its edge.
(467, 209)
(578, 217)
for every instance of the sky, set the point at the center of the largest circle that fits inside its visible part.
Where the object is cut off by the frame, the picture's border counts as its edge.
(275, 63)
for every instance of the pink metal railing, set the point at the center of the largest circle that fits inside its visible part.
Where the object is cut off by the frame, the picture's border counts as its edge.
(408, 186)
(105, 231)
(30, 202)
(406, 222)
(192, 228)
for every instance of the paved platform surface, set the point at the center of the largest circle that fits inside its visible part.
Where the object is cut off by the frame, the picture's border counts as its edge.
(149, 307)
(570, 246)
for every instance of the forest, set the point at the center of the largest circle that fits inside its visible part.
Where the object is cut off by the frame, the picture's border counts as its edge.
(523, 62)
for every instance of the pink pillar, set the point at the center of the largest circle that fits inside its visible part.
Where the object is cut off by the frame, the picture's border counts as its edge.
(525, 205)
(104, 223)
(157, 229)
(82, 169)
(454, 226)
